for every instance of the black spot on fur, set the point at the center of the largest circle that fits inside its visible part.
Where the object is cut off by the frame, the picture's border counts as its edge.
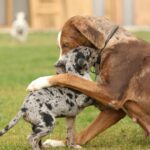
(60, 116)
(6, 128)
(40, 93)
(69, 69)
(70, 95)
(47, 90)
(70, 103)
(88, 56)
(86, 99)
(80, 55)
(24, 109)
(37, 100)
(60, 91)
(40, 144)
(41, 105)
(52, 93)
(36, 129)
(77, 92)
(49, 106)
(47, 119)
(75, 50)
(76, 96)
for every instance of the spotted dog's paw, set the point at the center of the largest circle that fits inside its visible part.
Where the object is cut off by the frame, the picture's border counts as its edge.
(53, 143)
(39, 83)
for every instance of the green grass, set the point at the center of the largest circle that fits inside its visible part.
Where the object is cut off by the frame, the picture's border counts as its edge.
(19, 65)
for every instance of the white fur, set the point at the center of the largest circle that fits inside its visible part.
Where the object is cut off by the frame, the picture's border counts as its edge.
(42, 82)
(57, 143)
(59, 43)
(53, 143)
(86, 76)
(20, 24)
(39, 83)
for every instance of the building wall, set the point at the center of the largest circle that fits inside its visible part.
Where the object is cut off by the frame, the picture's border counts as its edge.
(43, 14)
(113, 9)
(20, 6)
(142, 12)
(2, 12)
(128, 12)
(50, 13)
(98, 7)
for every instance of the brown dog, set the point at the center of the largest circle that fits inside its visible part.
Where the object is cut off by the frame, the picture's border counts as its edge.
(124, 77)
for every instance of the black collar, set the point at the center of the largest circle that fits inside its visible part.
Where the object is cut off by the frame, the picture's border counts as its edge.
(110, 35)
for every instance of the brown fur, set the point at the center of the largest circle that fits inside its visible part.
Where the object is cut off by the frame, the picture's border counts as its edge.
(124, 79)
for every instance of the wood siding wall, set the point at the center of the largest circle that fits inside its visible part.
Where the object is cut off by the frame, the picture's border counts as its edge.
(43, 14)
(53, 13)
(142, 12)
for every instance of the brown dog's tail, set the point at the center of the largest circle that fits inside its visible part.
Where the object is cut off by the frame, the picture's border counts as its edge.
(12, 123)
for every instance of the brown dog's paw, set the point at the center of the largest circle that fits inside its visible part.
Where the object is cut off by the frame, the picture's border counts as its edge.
(39, 83)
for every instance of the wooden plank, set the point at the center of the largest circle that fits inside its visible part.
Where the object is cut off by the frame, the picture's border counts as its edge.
(113, 10)
(9, 12)
(53, 13)
(141, 12)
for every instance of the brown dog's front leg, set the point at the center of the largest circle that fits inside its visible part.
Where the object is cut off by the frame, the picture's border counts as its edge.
(104, 120)
(89, 88)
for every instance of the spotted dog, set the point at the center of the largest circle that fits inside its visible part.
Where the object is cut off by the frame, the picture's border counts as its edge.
(42, 107)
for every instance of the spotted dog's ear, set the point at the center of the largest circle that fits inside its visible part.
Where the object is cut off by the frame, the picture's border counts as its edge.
(87, 29)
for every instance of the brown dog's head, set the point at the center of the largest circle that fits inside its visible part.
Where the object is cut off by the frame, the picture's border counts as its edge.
(80, 31)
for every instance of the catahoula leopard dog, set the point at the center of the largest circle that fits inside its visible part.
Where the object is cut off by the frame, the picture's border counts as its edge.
(42, 107)
(122, 80)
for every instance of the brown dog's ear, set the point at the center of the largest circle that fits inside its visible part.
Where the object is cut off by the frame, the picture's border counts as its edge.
(87, 29)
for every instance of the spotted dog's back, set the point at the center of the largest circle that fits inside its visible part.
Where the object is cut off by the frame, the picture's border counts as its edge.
(58, 101)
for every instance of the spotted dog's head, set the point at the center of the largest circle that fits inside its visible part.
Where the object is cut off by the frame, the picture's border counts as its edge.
(78, 61)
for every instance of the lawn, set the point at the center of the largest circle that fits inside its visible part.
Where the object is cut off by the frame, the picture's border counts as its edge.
(19, 65)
